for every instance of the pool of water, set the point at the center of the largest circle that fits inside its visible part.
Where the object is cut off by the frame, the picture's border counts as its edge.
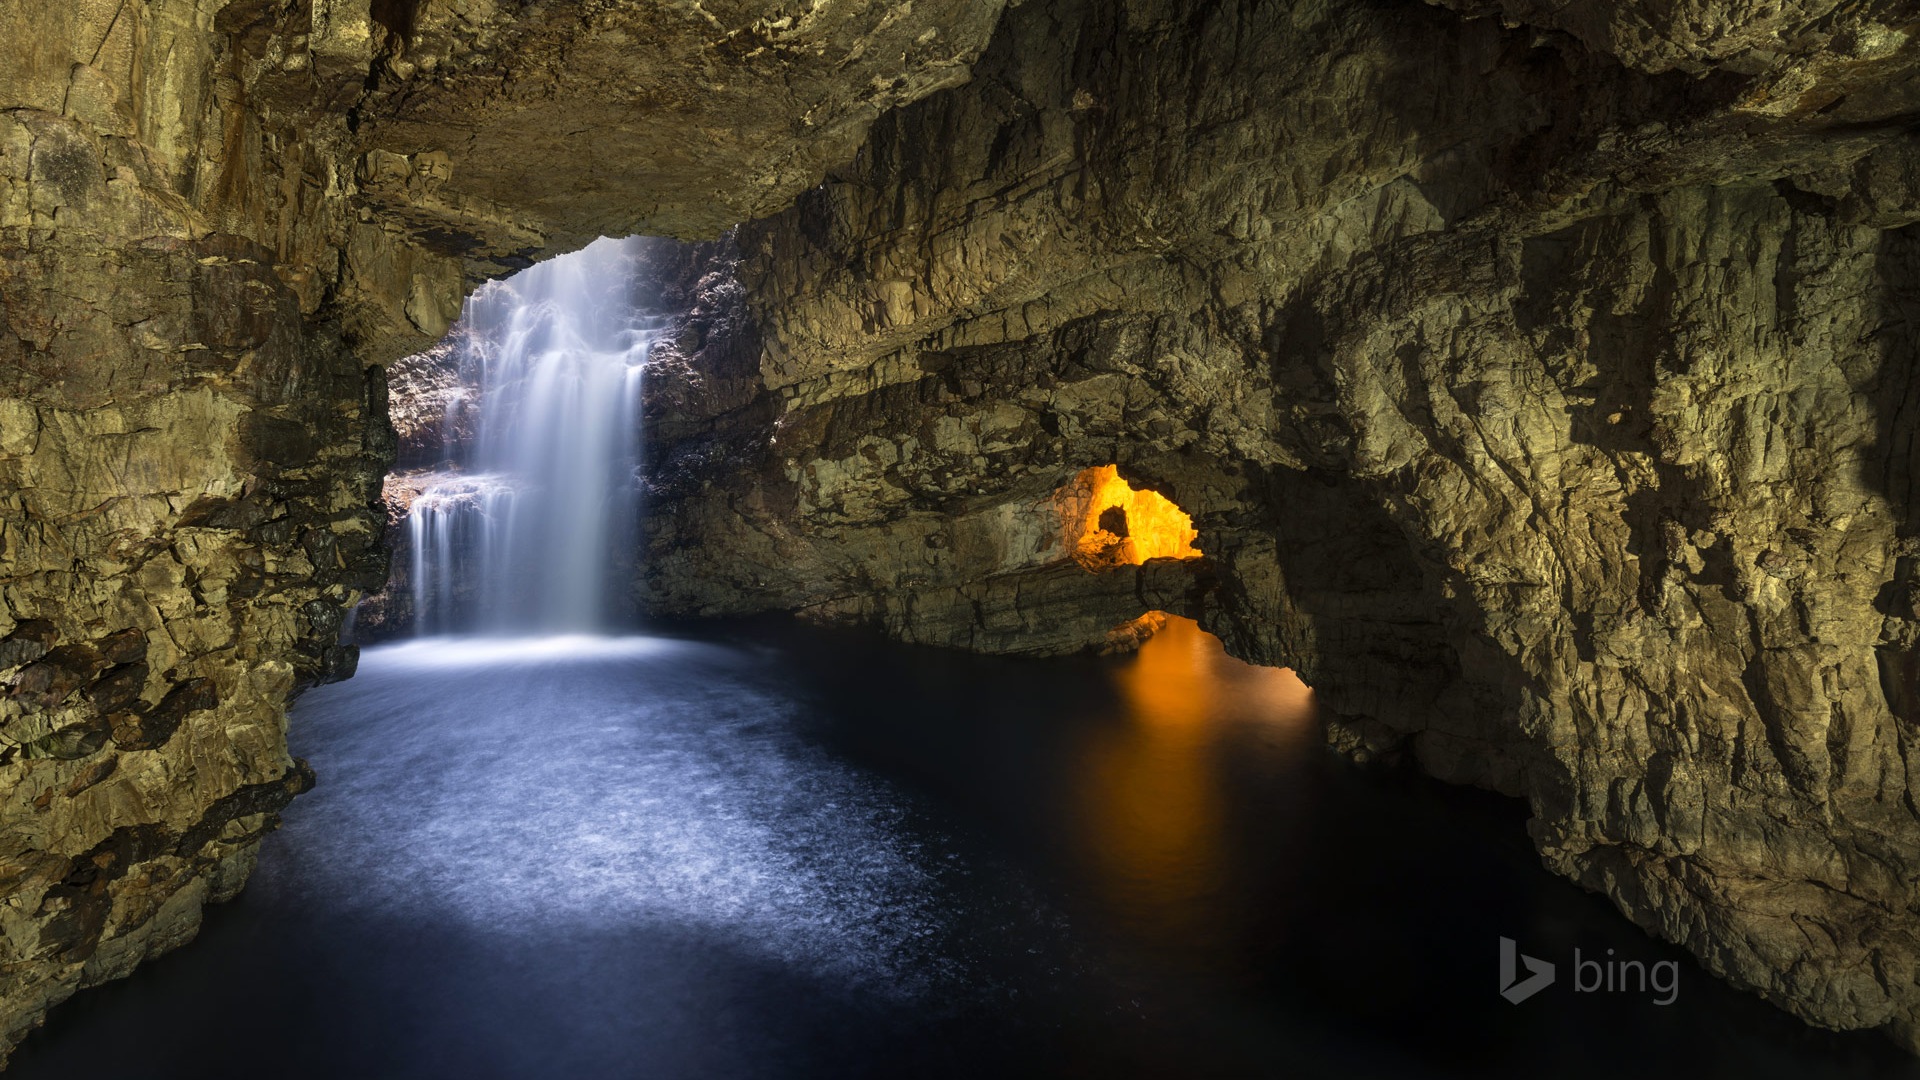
(767, 851)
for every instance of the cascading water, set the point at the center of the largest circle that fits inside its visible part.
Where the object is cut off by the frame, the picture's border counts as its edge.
(528, 531)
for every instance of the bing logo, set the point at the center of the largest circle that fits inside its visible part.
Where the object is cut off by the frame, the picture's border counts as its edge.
(1589, 976)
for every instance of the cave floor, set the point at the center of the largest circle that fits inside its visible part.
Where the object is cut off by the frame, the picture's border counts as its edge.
(757, 850)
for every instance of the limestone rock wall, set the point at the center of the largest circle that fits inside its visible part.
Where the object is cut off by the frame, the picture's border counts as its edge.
(1538, 392)
(188, 454)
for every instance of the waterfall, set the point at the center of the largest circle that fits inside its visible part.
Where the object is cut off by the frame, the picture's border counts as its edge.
(529, 530)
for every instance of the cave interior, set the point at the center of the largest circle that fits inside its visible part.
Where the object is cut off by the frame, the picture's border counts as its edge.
(1527, 378)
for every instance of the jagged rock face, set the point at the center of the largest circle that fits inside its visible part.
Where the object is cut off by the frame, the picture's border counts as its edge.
(216, 219)
(187, 466)
(667, 118)
(1793, 46)
(1546, 414)
(492, 133)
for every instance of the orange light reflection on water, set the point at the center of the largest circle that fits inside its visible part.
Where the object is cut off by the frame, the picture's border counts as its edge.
(1152, 797)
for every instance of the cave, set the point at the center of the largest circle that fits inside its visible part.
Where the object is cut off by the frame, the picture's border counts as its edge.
(1043, 538)
(1110, 523)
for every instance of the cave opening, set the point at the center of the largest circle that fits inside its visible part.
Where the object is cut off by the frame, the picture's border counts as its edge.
(1110, 523)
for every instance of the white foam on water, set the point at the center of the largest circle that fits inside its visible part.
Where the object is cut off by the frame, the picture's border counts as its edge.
(578, 782)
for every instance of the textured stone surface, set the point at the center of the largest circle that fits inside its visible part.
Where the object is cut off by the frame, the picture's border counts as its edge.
(186, 462)
(668, 118)
(1547, 414)
(1800, 47)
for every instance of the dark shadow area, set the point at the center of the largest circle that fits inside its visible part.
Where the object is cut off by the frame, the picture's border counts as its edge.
(762, 849)
(1891, 383)
(397, 16)
(1364, 904)
(1894, 464)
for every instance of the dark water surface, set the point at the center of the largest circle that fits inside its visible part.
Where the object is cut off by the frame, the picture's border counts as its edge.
(773, 852)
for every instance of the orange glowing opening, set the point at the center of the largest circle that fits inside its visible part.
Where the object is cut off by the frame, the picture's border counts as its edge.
(1111, 524)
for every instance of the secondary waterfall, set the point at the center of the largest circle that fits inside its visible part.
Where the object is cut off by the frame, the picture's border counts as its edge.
(540, 508)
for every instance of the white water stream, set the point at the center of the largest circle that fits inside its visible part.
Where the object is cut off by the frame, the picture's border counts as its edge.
(543, 512)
